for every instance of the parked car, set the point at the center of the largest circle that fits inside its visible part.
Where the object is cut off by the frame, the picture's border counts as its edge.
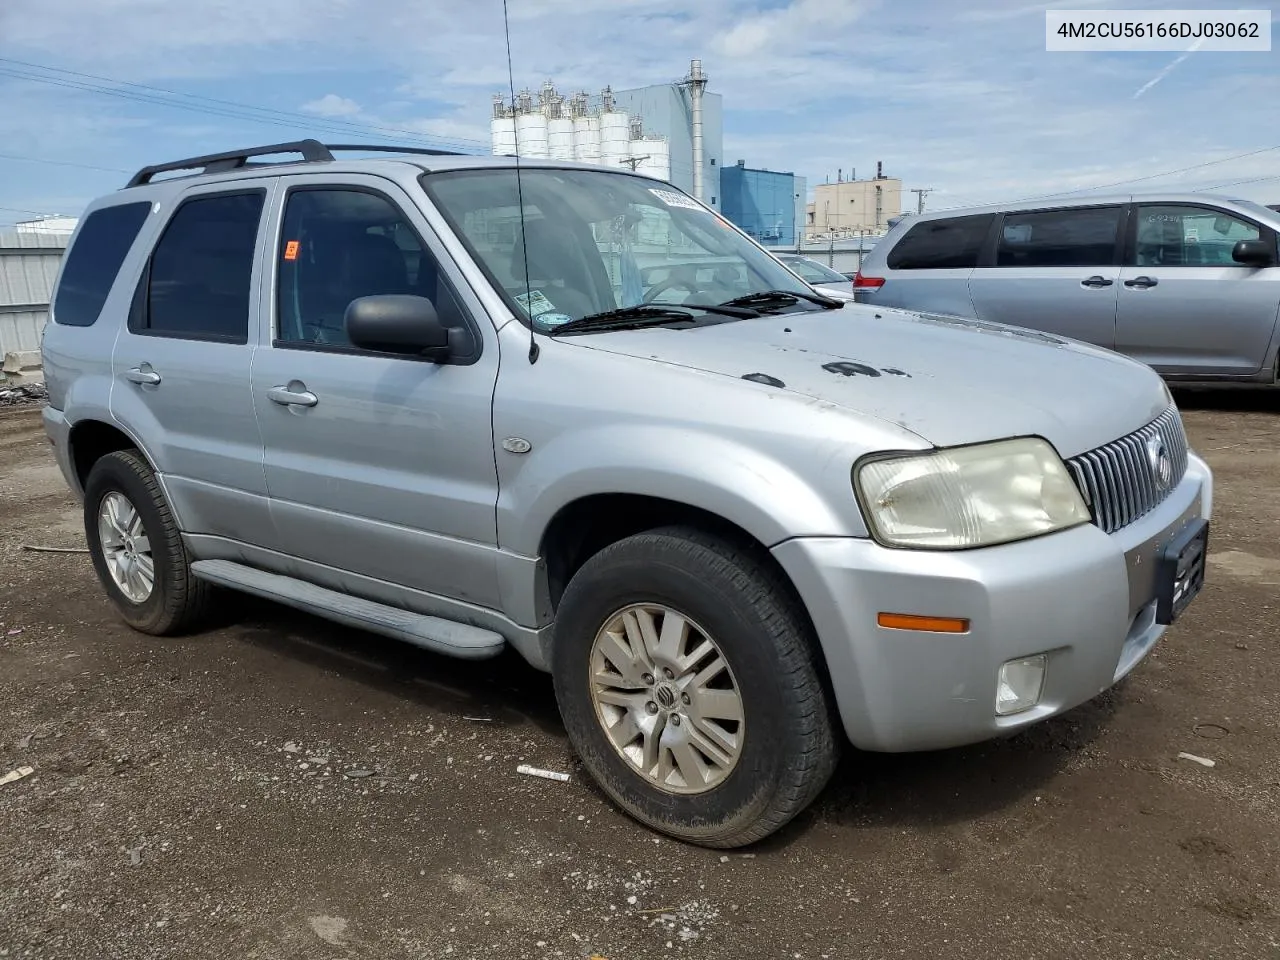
(818, 275)
(738, 522)
(1188, 283)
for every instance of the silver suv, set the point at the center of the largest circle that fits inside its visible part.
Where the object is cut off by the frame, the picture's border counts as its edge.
(1188, 283)
(434, 397)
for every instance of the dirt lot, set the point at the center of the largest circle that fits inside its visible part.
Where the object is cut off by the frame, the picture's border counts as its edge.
(189, 797)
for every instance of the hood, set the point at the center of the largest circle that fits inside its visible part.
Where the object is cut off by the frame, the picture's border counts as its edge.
(948, 380)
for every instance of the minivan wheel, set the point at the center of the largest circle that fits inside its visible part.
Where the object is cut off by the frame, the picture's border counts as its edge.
(136, 548)
(689, 686)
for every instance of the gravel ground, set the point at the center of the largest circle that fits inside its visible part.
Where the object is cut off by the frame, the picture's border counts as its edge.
(199, 798)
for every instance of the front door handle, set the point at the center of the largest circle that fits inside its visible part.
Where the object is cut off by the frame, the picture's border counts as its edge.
(1141, 282)
(295, 394)
(1096, 281)
(142, 374)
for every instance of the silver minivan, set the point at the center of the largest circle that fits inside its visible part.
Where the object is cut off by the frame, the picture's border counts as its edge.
(1188, 283)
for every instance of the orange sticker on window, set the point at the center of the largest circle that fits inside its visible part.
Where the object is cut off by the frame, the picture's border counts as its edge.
(291, 250)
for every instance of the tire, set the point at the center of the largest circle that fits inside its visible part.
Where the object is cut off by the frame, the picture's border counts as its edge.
(786, 745)
(176, 599)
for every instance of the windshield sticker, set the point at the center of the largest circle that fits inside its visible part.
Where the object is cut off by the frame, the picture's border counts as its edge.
(291, 250)
(673, 199)
(535, 303)
(553, 319)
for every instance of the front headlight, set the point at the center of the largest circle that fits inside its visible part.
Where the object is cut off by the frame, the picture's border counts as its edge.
(973, 496)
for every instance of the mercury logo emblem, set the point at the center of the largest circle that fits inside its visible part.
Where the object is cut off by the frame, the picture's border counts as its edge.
(1161, 462)
(666, 697)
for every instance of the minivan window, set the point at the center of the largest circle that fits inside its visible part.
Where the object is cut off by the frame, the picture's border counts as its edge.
(1187, 236)
(813, 271)
(198, 283)
(1080, 237)
(597, 241)
(339, 244)
(952, 243)
(94, 260)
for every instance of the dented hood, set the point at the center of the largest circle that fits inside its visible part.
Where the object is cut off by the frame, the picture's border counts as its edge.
(946, 379)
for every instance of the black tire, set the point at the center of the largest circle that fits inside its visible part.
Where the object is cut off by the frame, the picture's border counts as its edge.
(789, 747)
(177, 599)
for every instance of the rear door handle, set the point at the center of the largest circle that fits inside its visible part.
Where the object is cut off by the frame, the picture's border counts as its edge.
(294, 395)
(142, 374)
(1141, 282)
(1096, 281)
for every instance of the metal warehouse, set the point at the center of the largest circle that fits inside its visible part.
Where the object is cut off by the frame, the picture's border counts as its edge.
(28, 267)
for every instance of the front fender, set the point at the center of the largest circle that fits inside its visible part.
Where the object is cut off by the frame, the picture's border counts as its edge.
(759, 493)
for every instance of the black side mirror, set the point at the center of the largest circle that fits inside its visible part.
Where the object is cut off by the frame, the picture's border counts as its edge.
(397, 323)
(1254, 253)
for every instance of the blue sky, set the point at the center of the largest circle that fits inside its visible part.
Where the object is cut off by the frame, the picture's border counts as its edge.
(958, 96)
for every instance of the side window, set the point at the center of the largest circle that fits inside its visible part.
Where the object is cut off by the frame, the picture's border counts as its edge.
(1083, 237)
(94, 260)
(341, 244)
(197, 286)
(951, 244)
(1182, 236)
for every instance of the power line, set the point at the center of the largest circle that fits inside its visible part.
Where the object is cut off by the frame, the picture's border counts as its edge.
(158, 96)
(1152, 176)
(61, 163)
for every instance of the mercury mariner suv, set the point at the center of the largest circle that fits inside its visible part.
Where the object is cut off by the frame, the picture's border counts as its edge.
(479, 403)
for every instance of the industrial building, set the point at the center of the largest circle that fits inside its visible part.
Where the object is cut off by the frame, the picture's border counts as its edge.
(671, 131)
(854, 207)
(29, 264)
(767, 204)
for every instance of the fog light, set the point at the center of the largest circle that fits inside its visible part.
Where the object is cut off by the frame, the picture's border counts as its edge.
(1019, 683)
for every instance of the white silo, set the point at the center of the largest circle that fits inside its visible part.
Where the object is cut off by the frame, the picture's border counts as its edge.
(560, 138)
(586, 139)
(502, 131)
(658, 164)
(639, 155)
(615, 138)
(531, 134)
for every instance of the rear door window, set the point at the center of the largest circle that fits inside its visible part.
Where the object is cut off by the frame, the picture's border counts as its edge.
(94, 260)
(1187, 236)
(952, 243)
(197, 286)
(1083, 237)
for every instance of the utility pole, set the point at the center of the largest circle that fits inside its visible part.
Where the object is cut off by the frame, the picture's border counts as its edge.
(921, 193)
(633, 162)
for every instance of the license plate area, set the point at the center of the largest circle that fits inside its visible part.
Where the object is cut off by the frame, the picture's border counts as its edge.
(1181, 570)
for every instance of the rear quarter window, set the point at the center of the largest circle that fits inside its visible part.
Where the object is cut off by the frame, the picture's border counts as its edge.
(953, 243)
(93, 262)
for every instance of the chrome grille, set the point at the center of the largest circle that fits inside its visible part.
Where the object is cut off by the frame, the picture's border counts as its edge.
(1122, 481)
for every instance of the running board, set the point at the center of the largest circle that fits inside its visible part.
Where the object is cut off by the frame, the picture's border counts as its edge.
(431, 633)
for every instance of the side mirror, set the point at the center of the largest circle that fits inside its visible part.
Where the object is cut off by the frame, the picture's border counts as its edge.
(397, 323)
(1253, 253)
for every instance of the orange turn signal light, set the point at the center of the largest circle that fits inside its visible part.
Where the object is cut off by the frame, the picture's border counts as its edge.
(909, 621)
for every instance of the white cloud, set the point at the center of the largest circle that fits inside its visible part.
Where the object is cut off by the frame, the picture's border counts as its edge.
(332, 105)
(959, 97)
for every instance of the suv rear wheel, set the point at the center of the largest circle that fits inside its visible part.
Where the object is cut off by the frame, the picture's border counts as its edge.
(689, 686)
(136, 547)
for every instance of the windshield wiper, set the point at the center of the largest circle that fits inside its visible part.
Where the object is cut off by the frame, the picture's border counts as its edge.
(647, 315)
(782, 297)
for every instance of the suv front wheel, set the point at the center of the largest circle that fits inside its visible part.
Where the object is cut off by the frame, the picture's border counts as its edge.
(688, 684)
(137, 549)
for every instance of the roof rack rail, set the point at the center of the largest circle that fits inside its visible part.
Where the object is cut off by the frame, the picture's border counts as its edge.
(391, 148)
(312, 151)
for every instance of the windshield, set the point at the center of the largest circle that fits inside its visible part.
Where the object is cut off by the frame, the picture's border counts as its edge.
(814, 272)
(599, 241)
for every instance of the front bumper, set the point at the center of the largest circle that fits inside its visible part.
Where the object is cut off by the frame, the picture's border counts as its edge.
(1085, 599)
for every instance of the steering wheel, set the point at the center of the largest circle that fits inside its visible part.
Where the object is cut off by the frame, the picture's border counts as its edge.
(682, 282)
